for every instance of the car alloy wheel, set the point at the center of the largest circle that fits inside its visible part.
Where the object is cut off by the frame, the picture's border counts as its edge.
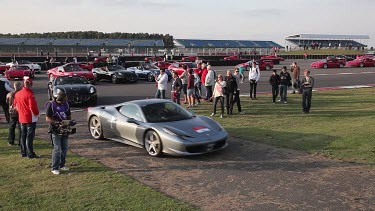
(153, 143)
(268, 67)
(114, 79)
(325, 66)
(95, 128)
(150, 77)
(341, 65)
(361, 65)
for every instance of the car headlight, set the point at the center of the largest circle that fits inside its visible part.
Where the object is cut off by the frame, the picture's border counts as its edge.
(92, 90)
(168, 131)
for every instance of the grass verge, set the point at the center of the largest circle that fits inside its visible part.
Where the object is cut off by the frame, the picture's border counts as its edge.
(340, 125)
(28, 184)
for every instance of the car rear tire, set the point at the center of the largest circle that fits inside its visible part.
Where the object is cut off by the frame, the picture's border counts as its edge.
(341, 65)
(114, 79)
(153, 143)
(325, 66)
(95, 128)
(268, 67)
(361, 65)
(150, 77)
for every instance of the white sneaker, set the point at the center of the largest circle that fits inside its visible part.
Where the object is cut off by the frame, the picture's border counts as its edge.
(279, 100)
(64, 168)
(212, 114)
(221, 116)
(55, 172)
(285, 102)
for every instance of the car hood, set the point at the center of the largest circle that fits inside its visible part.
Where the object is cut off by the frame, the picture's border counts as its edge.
(85, 74)
(74, 88)
(124, 71)
(196, 127)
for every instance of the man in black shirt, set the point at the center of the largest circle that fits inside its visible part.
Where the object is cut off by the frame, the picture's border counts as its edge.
(284, 83)
(307, 86)
(231, 87)
(275, 82)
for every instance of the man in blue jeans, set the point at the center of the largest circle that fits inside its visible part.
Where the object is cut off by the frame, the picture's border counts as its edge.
(57, 111)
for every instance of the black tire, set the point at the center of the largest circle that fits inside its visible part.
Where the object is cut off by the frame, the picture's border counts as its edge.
(268, 67)
(150, 77)
(95, 128)
(97, 77)
(341, 65)
(325, 66)
(153, 144)
(361, 65)
(114, 79)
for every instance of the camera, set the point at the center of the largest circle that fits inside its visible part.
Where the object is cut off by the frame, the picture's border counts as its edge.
(64, 127)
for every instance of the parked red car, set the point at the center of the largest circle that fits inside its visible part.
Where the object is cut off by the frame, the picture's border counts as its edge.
(153, 59)
(162, 65)
(329, 63)
(86, 65)
(3, 67)
(189, 58)
(100, 59)
(263, 64)
(229, 58)
(19, 71)
(70, 69)
(271, 57)
(362, 62)
(177, 67)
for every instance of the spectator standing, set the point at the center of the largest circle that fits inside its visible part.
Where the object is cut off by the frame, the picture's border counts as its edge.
(254, 75)
(57, 111)
(66, 60)
(75, 60)
(241, 75)
(295, 70)
(284, 83)
(162, 81)
(307, 86)
(237, 93)
(197, 93)
(28, 114)
(275, 82)
(190, 89)
(203, 78)
(209, 82)
(218, 95)
(199, 72)
(231, 88)
(13, 115)
(184, 79)
(47, 62)
(4, 90)
(176, 88)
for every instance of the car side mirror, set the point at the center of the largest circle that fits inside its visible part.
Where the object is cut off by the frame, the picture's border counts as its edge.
(132, 120)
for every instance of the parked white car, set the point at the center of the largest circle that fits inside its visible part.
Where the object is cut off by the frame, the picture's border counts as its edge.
(31, 65)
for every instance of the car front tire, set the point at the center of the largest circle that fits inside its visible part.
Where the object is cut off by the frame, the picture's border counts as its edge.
(341, 65)
(150, 77)
(153, 143)
(325, 66)
(95, 128)
(361, 65)
(268, 67)
(114, 79)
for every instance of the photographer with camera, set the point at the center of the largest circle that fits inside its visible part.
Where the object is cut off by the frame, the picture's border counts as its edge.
(58, 115)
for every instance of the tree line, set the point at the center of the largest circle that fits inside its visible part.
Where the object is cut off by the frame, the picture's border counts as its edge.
(167, 39)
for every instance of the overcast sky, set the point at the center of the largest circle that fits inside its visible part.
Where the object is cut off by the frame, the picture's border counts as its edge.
(193, 19)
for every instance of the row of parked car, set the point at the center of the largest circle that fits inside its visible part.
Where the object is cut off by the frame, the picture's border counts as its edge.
(340, 61)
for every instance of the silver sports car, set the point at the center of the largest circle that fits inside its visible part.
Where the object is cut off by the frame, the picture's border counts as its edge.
(159, 126)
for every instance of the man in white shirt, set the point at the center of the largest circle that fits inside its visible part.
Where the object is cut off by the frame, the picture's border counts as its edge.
(162, 81)
(254, 75)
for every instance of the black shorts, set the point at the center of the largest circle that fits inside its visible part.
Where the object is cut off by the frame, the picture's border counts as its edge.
(184, 88)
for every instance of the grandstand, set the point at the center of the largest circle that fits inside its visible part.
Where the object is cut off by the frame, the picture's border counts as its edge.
(202, 47)
(327, 41)
(78, 46)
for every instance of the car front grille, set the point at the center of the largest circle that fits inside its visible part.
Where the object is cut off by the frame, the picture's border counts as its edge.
(78, 98)
(201, 148)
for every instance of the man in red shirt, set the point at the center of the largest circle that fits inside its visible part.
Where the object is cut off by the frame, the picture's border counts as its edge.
(28, 113)
(203, 78)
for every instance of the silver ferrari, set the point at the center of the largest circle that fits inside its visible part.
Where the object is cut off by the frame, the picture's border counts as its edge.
(159, 126)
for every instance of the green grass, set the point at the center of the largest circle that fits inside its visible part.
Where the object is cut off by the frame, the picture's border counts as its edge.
(340, 125)
(28, 184)
(322, 52)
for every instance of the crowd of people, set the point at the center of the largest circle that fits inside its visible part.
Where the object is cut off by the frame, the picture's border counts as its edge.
(225, 90)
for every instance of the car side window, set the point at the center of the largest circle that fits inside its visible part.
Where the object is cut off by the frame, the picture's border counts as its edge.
(131, 111)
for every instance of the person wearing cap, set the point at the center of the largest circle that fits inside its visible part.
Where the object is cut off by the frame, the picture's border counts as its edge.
(57, 111)
(13, 115)
(28, 114)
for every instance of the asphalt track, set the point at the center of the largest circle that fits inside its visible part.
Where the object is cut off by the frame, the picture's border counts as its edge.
(246, 175)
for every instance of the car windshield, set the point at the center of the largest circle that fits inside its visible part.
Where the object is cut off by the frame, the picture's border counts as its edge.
(24, 62)
(115, 67)
(70, 80)
(191, 65)
(72, 68)
(165, 112)
(20, 68)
